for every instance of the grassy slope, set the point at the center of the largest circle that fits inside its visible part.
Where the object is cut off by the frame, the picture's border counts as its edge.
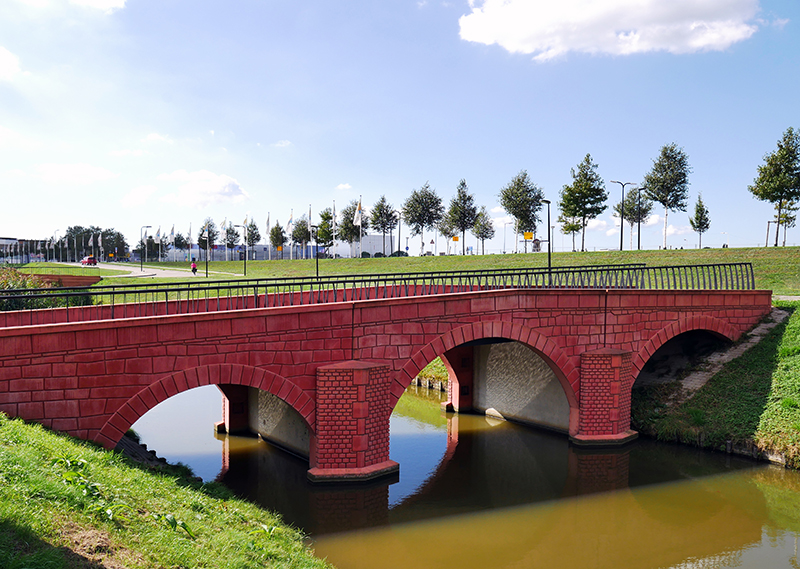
(754, 398)
(47, 521)
(775, 268)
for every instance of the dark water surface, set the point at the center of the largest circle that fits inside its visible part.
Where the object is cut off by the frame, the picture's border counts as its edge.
(477, 492)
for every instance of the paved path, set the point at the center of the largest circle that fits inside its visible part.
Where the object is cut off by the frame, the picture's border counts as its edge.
(134, 270)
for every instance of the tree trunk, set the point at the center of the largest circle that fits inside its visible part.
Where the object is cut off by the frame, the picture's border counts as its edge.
(666, 212)
(778, 222)
(583, 234)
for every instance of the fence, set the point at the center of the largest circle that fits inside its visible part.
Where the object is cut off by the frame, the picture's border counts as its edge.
(135, 300)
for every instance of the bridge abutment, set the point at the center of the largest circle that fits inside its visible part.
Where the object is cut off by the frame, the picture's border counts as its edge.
(605, 398)
(460, 364)
(351, 439)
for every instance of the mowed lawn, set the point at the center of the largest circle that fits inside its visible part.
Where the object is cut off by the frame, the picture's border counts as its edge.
(776, 268)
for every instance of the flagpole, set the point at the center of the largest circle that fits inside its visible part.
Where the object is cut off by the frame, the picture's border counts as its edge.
(360, 232)
(334, 229)
(269, 245)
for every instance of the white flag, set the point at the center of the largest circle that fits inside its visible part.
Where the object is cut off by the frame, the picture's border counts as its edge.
(357, 216)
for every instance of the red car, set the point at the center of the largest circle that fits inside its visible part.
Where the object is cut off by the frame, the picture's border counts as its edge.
(89, 261)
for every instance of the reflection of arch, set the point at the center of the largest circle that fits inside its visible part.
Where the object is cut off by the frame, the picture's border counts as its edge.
(707, 323)
(568, 375)
(217, 374)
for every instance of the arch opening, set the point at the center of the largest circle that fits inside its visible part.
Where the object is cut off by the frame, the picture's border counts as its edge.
(678, 355)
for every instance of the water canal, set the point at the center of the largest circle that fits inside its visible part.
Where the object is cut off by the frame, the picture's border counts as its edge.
(477, 492)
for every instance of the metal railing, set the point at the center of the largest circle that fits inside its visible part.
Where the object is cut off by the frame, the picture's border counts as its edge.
(136, 300)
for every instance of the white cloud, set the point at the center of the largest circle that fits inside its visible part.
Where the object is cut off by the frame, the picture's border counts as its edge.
(138, 196)
(618, 27)
(654, 219)
(13, 139)
(499, 222)
(678, 229)
(281, 144)
(344, 187)
(126, 152)
(203, 188)
(107, 6)
(155, 137)
(9, 65)
(74, 174)
(597, 225)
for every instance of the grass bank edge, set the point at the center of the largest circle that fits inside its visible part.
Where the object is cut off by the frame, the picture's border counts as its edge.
(752, 403)
(52, 484)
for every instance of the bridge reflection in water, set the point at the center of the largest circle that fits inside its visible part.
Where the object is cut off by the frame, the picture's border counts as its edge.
(460, 465)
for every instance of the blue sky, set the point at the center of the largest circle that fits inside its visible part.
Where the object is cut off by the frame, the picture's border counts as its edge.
(124, 113)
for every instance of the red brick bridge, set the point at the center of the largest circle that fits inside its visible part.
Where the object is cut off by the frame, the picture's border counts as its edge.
(342, 366)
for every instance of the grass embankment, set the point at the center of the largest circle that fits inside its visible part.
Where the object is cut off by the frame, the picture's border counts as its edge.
(776, 268)
(67, 504)
(754, 399)
(62, 269)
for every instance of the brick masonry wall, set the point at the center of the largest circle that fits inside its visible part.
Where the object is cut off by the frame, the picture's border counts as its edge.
(352, 415)
(606, 381)
(91, 378)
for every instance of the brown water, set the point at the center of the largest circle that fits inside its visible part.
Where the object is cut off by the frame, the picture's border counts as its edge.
(476, 492)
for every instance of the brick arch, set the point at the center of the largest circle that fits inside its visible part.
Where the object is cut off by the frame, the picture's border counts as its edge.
(566, 372)
(216, 374)
(668, 332)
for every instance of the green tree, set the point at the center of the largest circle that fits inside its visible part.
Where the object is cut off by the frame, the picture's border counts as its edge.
(277, 236)
(788, 216)
(635, 209)
(569, 226)
(667, 183)
(383, 219)
(231, 239)
(423, 210)
(463, 212)
(585, 198)
(346, 230)
(778, 180)
(447, 230)
(180, 241)
(253, 234)
(325, 231)
(301, 234)
(522, 200)
(207, 236)
(700, 221)
(483, 228)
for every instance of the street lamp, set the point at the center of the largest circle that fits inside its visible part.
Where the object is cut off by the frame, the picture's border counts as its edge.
(639, 219)
(549, 246)
(244, 234)
(399, 223)
(143, 243)
(622, 209)
(55, 240)
(315, 236)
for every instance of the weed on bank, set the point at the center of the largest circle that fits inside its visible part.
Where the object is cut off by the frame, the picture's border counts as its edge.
(67, 504)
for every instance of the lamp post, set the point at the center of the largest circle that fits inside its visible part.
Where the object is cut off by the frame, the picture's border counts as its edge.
(142, 243)
(639, 219)
(549, 246)
(766, 243)
(399, 223)
(315, 236)
(244, 234)
(621, 209)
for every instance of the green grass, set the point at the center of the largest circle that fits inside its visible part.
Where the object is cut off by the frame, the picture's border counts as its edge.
(777, 269)
(67, 504)
(753, 398)
(60, 269)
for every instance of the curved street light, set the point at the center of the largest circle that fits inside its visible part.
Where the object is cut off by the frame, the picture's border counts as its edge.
(622, 209)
